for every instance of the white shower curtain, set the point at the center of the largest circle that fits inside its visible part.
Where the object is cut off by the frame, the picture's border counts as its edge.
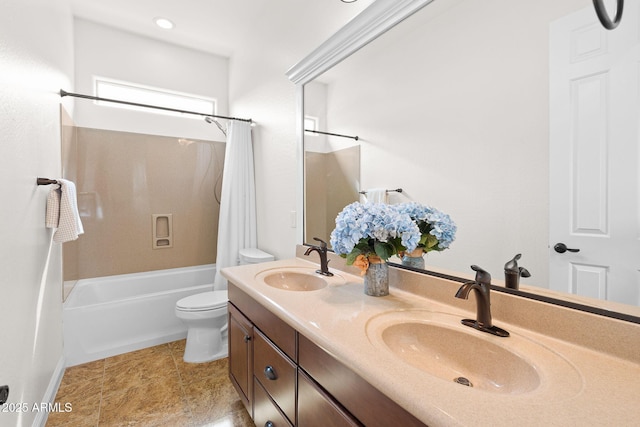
(237, 223)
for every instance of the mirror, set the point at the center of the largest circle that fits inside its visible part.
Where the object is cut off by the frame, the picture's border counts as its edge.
(453, 106)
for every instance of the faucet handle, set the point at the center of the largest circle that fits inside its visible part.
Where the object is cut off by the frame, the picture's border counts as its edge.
(482, 276)
(323, 244)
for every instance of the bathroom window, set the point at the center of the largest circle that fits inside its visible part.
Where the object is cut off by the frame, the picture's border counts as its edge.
(310, 123)
(132, 92)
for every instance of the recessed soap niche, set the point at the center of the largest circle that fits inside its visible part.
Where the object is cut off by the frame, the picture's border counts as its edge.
(162, 231)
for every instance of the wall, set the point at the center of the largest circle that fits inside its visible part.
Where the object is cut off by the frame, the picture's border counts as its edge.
(36, 59)
(332, 181)
(269, 98)
(122, 179)
(99, 52)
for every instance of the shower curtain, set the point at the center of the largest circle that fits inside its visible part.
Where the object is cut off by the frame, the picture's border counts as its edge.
(237, 222)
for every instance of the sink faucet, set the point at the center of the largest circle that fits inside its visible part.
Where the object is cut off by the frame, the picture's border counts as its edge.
(482, 287)
(513, 273)
(322, 251)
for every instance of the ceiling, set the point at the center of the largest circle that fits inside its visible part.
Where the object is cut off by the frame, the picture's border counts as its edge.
(288, 29)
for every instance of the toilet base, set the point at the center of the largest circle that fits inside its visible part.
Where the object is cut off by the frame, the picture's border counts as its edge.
(205, 345)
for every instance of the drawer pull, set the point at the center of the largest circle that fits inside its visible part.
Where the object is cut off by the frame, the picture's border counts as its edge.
(270, 373)
(269, 424)
(247, 338)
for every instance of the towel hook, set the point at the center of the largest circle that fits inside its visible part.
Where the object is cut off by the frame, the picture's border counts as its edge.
(603, 16)
(46, 181)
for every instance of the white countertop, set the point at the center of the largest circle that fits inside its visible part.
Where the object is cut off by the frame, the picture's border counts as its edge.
(581, 386)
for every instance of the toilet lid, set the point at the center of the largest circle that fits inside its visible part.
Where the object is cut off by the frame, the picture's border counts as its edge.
(203, 301)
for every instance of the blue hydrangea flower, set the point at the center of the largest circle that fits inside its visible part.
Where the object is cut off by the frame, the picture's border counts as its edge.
(431, 222)
(359, 226)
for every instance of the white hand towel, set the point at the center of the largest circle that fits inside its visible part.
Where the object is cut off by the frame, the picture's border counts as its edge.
(377, 195)
(62, 212)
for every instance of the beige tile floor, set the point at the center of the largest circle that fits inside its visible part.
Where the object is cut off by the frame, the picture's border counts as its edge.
(149, 387)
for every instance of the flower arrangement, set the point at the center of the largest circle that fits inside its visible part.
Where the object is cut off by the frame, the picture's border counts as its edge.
(437, 229)
(373, 230)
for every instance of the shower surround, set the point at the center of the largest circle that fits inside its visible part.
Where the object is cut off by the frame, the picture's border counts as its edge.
(124, 178)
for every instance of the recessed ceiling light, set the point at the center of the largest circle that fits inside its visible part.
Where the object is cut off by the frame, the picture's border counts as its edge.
(348, 1)
(163, 23)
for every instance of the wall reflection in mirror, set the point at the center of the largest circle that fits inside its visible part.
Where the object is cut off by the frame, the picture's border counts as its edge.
(518, 119)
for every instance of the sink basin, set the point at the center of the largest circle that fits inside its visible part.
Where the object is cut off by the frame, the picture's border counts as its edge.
(437, 344)
(459, 356)
(297, 279)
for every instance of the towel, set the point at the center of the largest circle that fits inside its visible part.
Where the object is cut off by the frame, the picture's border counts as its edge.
(377, 195)
(62, 212)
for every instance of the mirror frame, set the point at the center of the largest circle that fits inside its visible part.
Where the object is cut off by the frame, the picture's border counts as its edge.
(374, 21)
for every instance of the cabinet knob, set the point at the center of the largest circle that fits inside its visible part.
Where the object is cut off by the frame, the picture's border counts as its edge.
(270, 373)
(247, 338)
(269, 424)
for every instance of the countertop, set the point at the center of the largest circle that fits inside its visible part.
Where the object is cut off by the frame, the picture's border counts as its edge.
(584, 386)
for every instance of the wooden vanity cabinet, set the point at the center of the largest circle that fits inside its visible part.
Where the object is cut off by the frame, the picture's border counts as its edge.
(240, 355)
(286, 380)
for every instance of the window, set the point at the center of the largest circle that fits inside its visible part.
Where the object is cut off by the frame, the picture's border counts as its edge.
(310, 123)
(132, 92)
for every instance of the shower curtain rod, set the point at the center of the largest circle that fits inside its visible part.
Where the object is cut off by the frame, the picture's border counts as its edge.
(64, 93)
(332, 134)
(397, 190)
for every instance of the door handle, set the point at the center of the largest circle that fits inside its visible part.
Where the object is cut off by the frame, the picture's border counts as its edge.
(562, 248)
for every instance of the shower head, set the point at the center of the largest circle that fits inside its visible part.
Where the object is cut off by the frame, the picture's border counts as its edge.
(211, 120)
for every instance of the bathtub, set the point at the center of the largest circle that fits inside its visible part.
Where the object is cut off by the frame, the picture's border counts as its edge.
(111, 315)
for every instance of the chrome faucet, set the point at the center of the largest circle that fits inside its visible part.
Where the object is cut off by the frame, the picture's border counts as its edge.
(482, 287)
(322, 251)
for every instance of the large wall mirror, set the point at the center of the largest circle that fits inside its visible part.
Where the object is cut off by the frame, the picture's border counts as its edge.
(519, 119)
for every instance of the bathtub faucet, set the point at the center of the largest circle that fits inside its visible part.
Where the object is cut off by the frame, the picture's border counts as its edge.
(322, 251)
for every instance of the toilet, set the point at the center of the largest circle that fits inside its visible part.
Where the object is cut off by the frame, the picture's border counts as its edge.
(205, 315)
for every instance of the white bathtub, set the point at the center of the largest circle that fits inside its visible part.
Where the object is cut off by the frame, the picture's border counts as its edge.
(111, 315)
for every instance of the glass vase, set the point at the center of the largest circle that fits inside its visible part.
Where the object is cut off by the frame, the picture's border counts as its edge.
(414, 259)
(376, 279)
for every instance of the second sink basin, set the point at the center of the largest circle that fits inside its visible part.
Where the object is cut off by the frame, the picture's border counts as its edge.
(296, 279)
(461, 357)
(436, 343)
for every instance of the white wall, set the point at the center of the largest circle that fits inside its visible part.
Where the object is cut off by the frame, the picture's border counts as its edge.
(100, 51)
(269, 98)
(36, 60)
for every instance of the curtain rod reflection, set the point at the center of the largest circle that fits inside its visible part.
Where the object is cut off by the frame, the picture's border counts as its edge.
(332, 134)
(397, 190)
(64, 93)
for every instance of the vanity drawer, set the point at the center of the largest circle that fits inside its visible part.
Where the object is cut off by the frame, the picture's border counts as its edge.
(356, 395)
(317, 409)
(276, 373)
(266, 413)
(279, 332)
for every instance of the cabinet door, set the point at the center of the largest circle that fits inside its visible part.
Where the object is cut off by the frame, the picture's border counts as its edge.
(317, 409)
(240, 355)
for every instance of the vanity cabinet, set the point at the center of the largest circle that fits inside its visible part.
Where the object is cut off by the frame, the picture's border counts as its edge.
(240, 355)
(287, 380)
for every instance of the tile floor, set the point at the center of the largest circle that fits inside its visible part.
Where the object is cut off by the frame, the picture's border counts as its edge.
(149, 387)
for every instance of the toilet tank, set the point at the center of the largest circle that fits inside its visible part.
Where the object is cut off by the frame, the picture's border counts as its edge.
(254, 256)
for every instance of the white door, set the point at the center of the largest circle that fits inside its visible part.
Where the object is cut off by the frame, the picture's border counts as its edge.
(594, 120)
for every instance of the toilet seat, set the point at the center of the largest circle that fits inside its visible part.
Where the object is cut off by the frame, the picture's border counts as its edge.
(203, 301)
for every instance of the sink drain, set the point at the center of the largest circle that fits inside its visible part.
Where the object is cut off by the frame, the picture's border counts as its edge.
(463, 381)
